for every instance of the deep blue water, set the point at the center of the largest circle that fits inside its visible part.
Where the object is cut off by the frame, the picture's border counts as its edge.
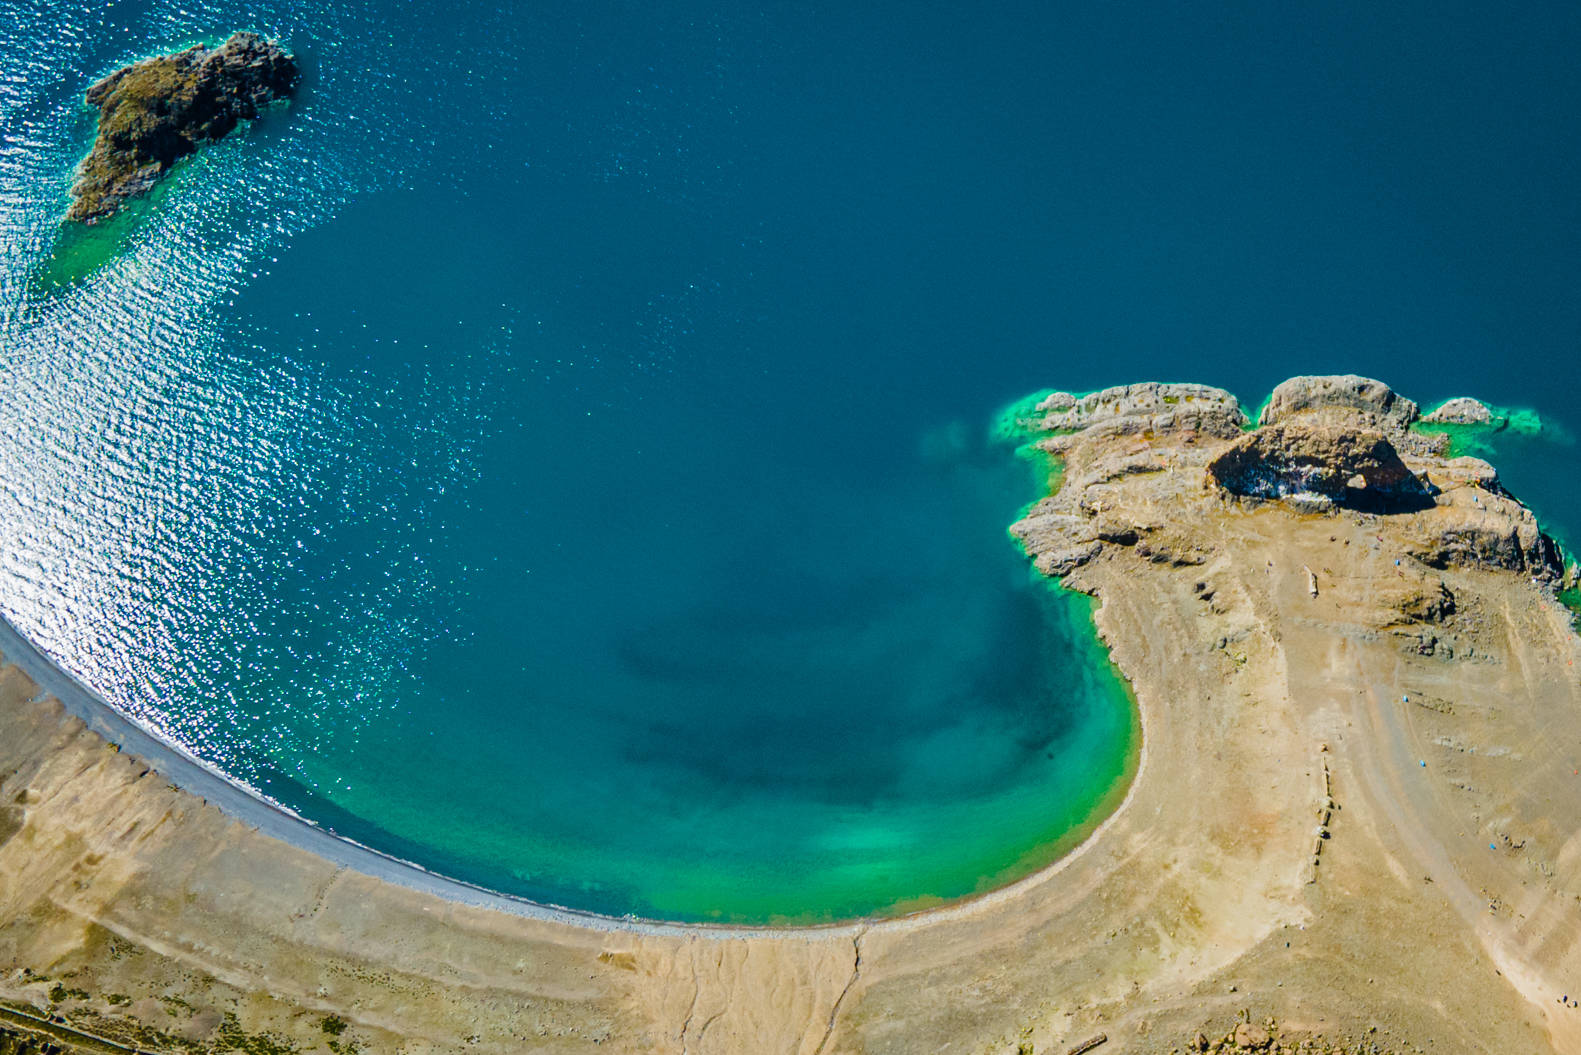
(554, 449)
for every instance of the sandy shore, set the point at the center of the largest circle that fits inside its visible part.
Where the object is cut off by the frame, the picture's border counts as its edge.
(144, 900)
(266, 818)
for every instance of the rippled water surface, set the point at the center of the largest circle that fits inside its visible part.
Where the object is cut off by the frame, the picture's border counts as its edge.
(554, 449)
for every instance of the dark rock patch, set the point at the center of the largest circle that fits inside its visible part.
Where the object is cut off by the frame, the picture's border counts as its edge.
(17, 1043)
(1320, 465)
(1431, 603)
(11, 820)
(156, 112)
(1487, 538)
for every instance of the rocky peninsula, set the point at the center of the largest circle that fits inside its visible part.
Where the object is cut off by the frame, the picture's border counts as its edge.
(1353, 826)
(155, 112)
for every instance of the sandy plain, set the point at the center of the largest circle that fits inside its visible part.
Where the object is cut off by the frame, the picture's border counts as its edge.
(1440, 912)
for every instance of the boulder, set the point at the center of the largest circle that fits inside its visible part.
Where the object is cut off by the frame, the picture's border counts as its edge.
(1248, 1037)
(1315, 465)
(1461, 411)
(1340, 398)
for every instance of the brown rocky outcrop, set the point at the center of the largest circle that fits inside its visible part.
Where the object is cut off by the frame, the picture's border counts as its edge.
(1070, 528)
(1491, 533)
(156, 112)
(1429, 602)
(1361, 400)
(1333, 463)
(1150, 405)
(1139, 461)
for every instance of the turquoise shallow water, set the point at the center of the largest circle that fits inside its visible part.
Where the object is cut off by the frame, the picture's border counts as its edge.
(555, 449)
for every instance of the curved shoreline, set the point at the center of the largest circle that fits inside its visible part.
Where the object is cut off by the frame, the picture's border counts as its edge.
(1343, 747)
(241, 803)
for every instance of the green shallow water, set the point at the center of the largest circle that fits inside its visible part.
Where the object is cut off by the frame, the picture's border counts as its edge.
(786, 861)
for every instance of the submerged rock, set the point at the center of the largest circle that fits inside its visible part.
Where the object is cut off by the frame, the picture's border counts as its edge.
(156, 112)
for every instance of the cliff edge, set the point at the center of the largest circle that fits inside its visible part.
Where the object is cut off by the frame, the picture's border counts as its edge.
(1325, 445)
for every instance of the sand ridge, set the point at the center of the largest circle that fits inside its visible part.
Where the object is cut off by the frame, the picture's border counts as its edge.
(1283, 852)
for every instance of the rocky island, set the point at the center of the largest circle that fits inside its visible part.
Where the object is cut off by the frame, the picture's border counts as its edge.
(1353, 825)
(155, 112)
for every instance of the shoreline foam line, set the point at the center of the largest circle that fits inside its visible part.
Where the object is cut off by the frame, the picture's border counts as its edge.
(247, 806)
